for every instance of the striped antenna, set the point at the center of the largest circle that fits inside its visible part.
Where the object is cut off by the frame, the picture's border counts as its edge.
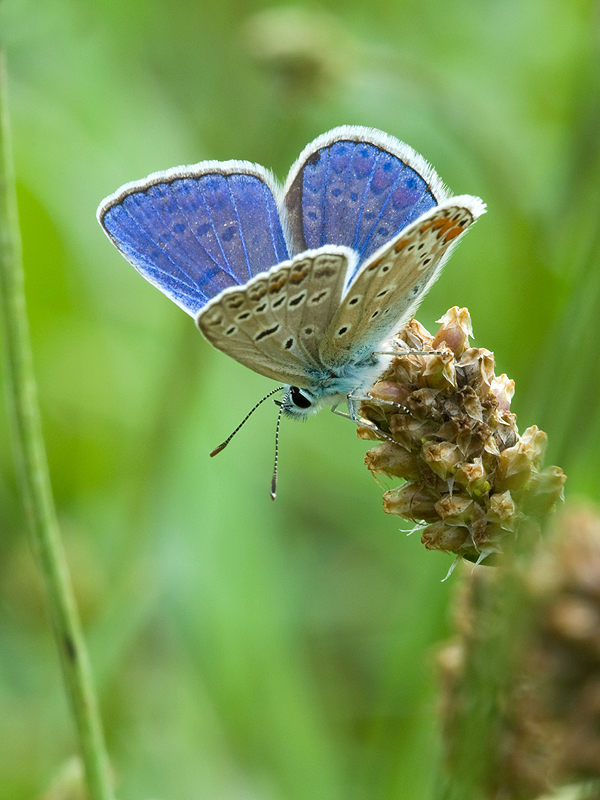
(224, 444)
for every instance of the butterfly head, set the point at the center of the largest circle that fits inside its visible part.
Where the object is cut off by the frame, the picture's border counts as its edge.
(299, 403)
(329, 388)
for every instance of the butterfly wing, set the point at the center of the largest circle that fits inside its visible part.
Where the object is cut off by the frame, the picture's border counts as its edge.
(357, 187)
(274, 324)
(195, 231)
(390, 285)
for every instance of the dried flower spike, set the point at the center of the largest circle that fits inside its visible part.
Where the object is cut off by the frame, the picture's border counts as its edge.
(447, 430)
(546, 703)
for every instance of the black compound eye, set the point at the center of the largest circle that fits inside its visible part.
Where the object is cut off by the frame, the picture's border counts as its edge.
(298, 399)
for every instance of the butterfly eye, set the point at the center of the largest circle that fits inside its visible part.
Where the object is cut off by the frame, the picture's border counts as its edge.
(298, 398)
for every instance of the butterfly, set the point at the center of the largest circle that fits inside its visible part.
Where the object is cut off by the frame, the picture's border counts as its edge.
(302, 283)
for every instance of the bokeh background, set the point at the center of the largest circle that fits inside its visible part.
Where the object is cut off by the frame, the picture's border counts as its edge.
(245, 650)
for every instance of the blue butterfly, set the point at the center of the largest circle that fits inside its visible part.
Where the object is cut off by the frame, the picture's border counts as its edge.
(302, 283)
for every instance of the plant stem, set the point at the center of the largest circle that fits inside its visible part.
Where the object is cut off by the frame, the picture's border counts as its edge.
(33, 476)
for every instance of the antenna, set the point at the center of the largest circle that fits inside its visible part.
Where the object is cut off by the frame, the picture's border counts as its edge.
(274, 478)
(224, 444)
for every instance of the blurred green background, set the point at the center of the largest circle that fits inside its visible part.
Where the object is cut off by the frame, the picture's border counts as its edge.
(245, 650)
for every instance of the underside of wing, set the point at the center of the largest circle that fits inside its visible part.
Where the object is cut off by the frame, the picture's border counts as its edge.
(195, 231)
(391, 284)
(357, 187)
(274, 324)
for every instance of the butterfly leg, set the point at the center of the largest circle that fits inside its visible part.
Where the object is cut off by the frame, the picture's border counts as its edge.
(363, 423)
(410, 352)
(361, 398)
(334, 410)
(351, 401)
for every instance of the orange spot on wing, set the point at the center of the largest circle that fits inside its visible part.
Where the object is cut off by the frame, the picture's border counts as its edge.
(453, 233)
(399, 246)
(444, 226)
(257, 293)
(434, 224)
(276, 286)
(299, 275)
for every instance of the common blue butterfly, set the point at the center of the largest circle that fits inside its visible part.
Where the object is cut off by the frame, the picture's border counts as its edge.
(301, 283)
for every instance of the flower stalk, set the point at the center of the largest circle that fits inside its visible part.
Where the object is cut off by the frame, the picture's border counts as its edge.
(33, 476)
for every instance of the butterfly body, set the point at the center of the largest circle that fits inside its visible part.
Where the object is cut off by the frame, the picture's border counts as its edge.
(302, 284)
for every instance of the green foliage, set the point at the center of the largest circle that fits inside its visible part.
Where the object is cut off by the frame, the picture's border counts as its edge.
(243, 648)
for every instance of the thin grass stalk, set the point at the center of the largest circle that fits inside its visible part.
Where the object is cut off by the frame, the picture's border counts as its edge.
(33, 475)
